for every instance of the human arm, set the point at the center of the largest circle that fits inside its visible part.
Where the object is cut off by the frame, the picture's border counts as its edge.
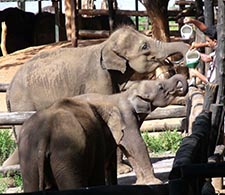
(200, 25)
(196, 73)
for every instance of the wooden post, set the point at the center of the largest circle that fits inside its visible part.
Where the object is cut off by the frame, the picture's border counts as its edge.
(76, 25)
(220, 57)
(3, 87)
(3, 39)
(196, 103)
(220, 62)
(57, 23)
(39, 6)
(208, 12)
(111, 15)
(136, 18)
(21, 4)
(220, 52)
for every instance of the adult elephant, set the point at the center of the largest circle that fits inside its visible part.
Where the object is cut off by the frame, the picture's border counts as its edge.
(72, 144)
(19, 29)
(101, 68)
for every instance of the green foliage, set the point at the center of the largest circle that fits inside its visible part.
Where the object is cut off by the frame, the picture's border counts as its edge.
(3, 184)
(145, 24)
(13, 179)
(7, 144)
(18, 179)
(165, 141)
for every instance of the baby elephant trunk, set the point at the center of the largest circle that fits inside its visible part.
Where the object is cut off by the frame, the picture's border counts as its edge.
(178, 83)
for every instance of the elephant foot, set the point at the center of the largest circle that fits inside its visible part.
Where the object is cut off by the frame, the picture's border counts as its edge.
(150, 181)
(123, 168)
(12, 160)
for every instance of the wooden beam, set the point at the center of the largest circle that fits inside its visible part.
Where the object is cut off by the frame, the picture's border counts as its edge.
(162, 124)
(3, 87)
(14, 118)
(17, 118)
(94, 34)
(167, 112)
(97, 12)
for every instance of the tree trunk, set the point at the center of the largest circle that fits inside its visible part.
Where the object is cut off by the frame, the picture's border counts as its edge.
(209, 13)
(220, 61)
(157, 11)
(220, 52)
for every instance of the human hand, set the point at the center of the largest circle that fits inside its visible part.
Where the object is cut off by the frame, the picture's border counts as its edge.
(206, 57)
(188, 20)
(193, 45)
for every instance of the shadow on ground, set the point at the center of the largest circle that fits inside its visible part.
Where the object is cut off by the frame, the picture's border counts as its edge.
(162, 167)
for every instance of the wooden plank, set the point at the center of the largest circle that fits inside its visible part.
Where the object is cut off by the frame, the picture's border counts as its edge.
(162, 124)
(17, 118)
(170, 111)
(93, 34)
(14, 118)
(185, 3)
(96, 12)
(3, 87)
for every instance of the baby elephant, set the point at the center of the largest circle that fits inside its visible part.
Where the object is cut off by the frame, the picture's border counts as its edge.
(73, 143)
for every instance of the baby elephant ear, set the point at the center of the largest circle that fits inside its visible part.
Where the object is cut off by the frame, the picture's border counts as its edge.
(140, 105)
(113, 59)
(116, 124)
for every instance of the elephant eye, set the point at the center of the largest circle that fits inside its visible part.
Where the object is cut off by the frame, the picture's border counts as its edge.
(145, 46)
(161, 86)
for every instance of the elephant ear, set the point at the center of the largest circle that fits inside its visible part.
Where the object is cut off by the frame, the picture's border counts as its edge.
(140, 105)
(116, 124)
(112, 58)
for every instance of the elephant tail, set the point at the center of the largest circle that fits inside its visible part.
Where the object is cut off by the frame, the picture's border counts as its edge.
(42, 147)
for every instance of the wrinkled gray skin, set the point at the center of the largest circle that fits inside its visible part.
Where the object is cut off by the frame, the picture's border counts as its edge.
(101, 68)
(75, 129)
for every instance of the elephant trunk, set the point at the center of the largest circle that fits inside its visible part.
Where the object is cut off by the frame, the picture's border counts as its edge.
(179, 83)
(165, 49)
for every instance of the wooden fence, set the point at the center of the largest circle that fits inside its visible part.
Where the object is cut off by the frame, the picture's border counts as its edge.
(162, 118)
(191, 173)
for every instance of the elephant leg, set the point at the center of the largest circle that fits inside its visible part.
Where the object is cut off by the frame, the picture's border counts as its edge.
(29, 173)
(122, 166)
(67, 176)
(137, 154)
(30, 185)
(13, 159)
